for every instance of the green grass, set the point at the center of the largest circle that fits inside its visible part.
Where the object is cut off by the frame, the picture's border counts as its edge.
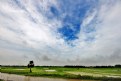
(71, 73)
(1, 80)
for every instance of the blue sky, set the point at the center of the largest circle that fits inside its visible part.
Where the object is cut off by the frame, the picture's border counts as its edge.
(60, 32)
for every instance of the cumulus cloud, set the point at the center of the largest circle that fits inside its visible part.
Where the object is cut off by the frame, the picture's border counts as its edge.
(29, 31)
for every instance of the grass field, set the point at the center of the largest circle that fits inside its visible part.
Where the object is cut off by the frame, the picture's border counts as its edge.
(73, 73)
(1, 80)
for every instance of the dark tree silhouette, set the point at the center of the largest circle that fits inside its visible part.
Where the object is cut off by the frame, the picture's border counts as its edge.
(31, 65)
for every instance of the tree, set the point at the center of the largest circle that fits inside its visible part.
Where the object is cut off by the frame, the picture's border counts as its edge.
(0, 67)
(31, 65)
(118, 66)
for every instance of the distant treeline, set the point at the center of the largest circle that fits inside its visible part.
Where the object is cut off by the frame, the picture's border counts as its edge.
(77, 66)
(68, 66)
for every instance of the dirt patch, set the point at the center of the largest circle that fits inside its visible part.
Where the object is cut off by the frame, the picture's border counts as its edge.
(93, 74)
(50, 70)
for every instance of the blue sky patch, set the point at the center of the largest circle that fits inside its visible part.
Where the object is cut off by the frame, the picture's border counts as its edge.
(54, 11)
(69, 33)
(75, 14)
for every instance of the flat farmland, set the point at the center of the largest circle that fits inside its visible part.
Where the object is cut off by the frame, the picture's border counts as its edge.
(63, 72)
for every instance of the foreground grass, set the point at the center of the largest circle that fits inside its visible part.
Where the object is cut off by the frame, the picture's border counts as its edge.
(105, 74)
(1, 80)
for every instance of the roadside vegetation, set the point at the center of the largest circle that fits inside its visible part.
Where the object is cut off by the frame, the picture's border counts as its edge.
(85, 73)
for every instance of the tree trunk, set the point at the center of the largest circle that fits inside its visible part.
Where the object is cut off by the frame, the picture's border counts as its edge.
(30, 70)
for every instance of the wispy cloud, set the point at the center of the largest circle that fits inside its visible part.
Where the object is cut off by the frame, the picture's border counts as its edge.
(60, 32)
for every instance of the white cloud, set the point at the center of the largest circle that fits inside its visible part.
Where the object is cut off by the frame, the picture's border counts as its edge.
(23, 28)
(89, 18)
(28, 28)
(107, 37)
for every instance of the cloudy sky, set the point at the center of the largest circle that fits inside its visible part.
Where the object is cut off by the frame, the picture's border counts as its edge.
(60, 32)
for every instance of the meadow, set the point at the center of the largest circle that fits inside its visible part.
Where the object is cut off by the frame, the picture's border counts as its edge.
(105, 74)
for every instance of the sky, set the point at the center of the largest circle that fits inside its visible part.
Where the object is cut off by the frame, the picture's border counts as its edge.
(60, 32)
